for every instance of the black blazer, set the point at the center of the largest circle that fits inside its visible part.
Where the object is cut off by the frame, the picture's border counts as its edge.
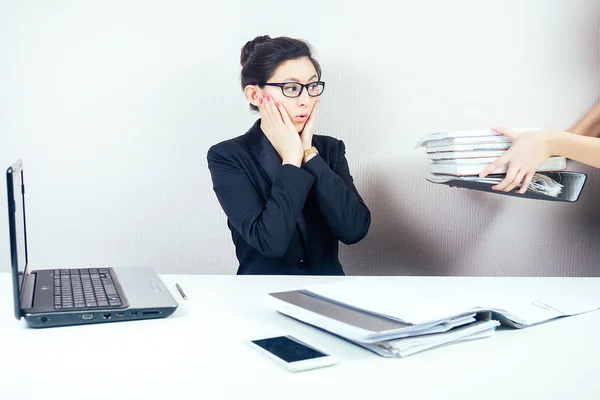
(283, 219)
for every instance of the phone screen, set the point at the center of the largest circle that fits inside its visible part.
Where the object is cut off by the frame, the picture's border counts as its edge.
(288, 348)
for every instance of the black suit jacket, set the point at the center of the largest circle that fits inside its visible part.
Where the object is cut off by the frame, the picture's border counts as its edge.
(284, 219)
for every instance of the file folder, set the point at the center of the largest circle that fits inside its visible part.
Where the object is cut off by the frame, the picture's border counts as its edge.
(573, 184)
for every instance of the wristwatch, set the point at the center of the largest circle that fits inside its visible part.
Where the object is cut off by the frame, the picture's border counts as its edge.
(310, 151)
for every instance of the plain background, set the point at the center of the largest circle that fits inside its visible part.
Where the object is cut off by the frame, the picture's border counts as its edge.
(113, 105)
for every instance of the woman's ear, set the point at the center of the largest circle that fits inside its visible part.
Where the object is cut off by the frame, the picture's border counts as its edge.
(252, 93)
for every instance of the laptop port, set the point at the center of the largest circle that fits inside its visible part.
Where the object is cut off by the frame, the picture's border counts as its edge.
(134, 313)
(120, 314)
(87, 316)
(150, 312)
(106, 316)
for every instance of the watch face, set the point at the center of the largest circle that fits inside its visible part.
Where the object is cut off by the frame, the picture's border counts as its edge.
(310, 151)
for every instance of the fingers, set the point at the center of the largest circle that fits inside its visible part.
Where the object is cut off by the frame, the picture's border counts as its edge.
(283, 113)
(263, 101)
(511, 174)
(313, 113)
(516, 181)
(276, 112)
(526, 183)
(268, 110)
(518, 169)
(262, 106)
(270, 105)
(506, 132)
(266, 114)
(500, 161)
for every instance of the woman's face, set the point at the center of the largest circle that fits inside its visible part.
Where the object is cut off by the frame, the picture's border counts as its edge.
(302, 71)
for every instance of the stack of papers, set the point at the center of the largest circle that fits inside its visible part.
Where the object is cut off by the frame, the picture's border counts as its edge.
(396, 320)
(456, 158)
(415, 344)
(467, 153)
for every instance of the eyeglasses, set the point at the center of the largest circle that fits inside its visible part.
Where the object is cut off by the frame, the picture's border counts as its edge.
(295, 89)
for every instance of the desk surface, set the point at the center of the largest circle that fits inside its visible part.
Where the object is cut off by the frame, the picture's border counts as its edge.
(199, 352)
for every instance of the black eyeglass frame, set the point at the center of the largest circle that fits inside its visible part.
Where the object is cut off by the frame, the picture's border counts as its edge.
(302, 86)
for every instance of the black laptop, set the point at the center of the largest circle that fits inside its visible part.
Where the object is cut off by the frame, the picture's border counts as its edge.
(75, 296)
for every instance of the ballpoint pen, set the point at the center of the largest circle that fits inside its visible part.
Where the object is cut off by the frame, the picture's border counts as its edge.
(181, 291)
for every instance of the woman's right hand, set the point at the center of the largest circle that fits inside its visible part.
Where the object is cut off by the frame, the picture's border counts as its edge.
(528, 152)
(280, 131)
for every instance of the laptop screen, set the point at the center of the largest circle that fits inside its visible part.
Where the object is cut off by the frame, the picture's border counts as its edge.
(18, 238)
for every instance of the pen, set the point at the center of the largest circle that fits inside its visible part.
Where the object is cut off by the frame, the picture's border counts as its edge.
(181, 291)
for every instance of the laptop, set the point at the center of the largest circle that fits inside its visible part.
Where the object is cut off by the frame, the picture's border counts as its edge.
(76, 296)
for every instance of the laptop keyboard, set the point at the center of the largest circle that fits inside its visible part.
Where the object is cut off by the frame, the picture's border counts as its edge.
(85, 288)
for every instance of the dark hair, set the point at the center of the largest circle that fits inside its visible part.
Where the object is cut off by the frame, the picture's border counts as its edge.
(261, 56)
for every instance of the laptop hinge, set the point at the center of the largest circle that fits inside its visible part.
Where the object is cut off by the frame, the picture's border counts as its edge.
(27, 295)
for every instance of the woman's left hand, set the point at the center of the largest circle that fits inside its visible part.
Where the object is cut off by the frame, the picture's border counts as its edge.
(528, 152)
(309, 128)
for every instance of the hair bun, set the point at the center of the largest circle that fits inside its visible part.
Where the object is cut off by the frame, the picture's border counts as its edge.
(250, 46)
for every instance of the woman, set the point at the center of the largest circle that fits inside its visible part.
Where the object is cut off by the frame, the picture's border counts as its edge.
(530, 150)
(287, 193)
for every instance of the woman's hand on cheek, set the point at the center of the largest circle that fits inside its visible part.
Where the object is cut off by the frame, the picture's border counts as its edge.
(309, 128)
(280, 131)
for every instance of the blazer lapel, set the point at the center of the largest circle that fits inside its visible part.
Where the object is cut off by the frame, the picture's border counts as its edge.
(263, 151)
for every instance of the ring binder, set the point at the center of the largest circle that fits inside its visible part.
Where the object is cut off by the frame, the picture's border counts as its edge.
(572, 182)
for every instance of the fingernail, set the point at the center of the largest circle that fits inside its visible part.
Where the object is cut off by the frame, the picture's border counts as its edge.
(260, 101)
(267, 96)
(277, 103)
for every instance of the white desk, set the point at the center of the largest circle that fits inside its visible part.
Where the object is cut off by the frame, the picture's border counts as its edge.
(199, 353)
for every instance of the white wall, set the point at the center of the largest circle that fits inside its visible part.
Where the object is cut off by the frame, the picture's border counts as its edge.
(112, 105)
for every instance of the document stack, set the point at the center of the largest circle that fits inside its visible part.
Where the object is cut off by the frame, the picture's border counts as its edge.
(393, 319)
(457, 157)
(464, 153)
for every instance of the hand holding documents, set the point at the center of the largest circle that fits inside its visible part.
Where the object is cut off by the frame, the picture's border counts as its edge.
(457, 157)
(396, 320)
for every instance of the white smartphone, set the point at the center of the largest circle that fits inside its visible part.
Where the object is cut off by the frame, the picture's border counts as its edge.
(292, 353)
